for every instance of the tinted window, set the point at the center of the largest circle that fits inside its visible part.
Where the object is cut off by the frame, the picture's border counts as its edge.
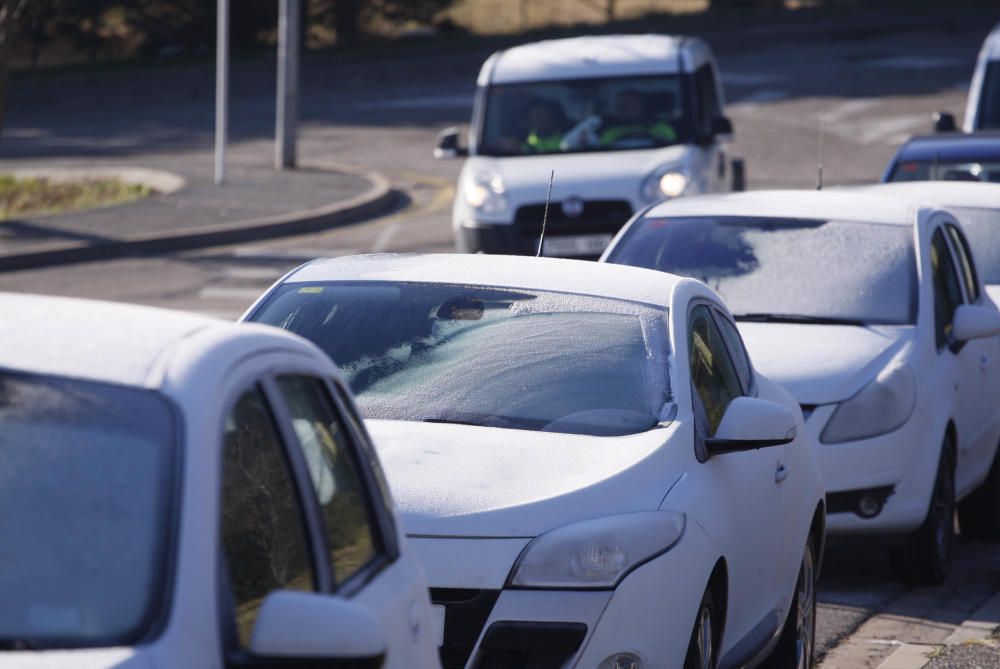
(737, 351)
(968, 271)
(87, 483)
(947, 292)
(940, 169)
(263, 534)
(839, 269)
(486, 356)
(585, 115)
(334, 473)
(708, 98)
(712, 373)
(982, 228)
(989, 100)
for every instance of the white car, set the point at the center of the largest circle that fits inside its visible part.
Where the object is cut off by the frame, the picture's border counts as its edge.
(982, 111)
(870, 311)
(621, 120)
(977, 206)
(592, 471)
(183, 492)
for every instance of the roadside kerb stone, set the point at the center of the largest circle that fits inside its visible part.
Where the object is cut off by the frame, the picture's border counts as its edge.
(376, 200)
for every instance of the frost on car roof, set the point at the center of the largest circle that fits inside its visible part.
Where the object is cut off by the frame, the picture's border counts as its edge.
(86, 339)
(840, 205)
(589, 56)
(553, 274)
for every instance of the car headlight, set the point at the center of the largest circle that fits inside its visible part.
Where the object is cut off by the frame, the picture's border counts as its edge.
(596, 554)
(666, 182)
(485, 193)
(880, 407)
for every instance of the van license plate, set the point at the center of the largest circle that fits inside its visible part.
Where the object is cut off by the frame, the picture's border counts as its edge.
(578, 245)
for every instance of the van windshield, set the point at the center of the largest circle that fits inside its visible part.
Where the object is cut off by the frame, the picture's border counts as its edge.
(579, 115)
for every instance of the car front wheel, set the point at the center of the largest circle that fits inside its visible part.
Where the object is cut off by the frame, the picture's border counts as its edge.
(701, 649)
(798, 638)
(926, 557)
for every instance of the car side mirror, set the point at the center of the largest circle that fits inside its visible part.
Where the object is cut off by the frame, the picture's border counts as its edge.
(317, 630)
(975, 321)
(944, 122)
(449, 144)
(751, 423)
(722, 128)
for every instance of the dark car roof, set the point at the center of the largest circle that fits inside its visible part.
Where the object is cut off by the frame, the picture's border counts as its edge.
(953, 146)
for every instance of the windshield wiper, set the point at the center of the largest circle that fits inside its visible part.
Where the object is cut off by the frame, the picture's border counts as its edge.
(798, 318)
(21, 644)
(450, 421)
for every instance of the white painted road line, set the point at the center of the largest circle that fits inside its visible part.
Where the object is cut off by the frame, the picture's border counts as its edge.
(381, 242)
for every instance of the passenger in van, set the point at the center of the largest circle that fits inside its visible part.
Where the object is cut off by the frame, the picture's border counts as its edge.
(546, 124)
(632, 122)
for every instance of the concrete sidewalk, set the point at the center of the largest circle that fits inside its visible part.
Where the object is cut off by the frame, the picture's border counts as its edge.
(256, 202)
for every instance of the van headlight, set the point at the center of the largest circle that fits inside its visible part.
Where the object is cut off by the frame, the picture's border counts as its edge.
(596, 554)
(666, 182)
(485, 193)
(880, 407)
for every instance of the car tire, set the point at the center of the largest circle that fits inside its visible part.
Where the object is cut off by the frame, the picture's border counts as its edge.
(979, 513)
(926, 557)
(798, 637)
(704, 638)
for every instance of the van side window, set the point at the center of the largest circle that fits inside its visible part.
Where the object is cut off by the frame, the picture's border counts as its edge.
(707, 98)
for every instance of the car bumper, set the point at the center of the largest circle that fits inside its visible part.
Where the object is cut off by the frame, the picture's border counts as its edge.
(649, 615)
(898, 467)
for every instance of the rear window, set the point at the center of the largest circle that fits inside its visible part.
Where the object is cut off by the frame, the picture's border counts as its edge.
(87, 476)
(989, 99)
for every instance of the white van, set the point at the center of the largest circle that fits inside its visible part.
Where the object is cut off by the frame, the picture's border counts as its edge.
(982, 111)
(622, 121)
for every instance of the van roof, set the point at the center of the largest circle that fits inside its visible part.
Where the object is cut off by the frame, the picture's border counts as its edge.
(593, 56)
(991, 47)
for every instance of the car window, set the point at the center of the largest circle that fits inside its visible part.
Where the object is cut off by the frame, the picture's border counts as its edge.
(737, 350)
(713, 375)
(263, 534)
(989, 98)
(708, 98)
(965, 263)
(947, 292)
(347, 518)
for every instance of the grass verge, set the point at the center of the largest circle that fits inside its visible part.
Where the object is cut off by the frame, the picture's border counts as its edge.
(38, 195)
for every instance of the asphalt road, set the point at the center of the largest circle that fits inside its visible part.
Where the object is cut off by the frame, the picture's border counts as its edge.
(871, 93)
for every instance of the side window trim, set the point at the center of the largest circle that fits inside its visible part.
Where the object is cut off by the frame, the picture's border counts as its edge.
(960, 250)
(316, 536)
(354, 426)
(749, 388)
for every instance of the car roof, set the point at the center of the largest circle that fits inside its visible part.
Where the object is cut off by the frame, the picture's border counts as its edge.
(590, 56)
(946, 193)
(839, 205)
(952, 146)
(87, 339)
(992, 44)
(524, 272)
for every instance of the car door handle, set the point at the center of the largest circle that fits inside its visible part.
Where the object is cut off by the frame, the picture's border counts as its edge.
(984, 364)
(781, 473)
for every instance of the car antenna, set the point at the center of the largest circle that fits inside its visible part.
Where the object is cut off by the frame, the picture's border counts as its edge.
(545, 215)
(819, 159)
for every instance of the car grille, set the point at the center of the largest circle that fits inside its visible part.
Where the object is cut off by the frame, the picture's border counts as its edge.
(466, 613)
(598, 216)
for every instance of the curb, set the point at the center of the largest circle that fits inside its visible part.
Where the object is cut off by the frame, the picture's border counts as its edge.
(977, 629)
(374, 201)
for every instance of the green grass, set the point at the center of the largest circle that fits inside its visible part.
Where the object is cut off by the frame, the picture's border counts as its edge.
(33, 196)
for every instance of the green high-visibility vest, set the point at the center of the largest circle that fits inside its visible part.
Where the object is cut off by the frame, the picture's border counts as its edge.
(546, 144)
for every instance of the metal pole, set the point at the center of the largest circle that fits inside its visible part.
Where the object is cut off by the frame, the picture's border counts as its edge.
(287, 116)
(221, 90)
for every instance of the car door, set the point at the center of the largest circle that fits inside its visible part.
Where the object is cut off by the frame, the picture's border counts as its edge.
(980, 383)
(754, 526)
(710, 162)
(299, 512)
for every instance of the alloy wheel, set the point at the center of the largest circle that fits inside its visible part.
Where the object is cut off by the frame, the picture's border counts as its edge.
(805, 612)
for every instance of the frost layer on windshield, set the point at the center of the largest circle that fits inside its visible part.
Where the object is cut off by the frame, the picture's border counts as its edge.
(86, 480)
(825, 269)
(487, 356)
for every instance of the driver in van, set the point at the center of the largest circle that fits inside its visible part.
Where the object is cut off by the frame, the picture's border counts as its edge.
(631, 121)
(546, 122)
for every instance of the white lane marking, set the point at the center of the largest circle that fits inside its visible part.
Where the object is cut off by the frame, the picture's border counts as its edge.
(880, 130)
(302, 255)
(427, 102)
(382, 241)
(762, 95)
(246, 293)
(915, 62)
(848, 108)
(252, 273)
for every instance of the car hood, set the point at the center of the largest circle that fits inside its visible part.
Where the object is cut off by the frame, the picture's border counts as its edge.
(469, 481)
(83, 658)
(993, 292)
(822, 364)
(602, 175)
